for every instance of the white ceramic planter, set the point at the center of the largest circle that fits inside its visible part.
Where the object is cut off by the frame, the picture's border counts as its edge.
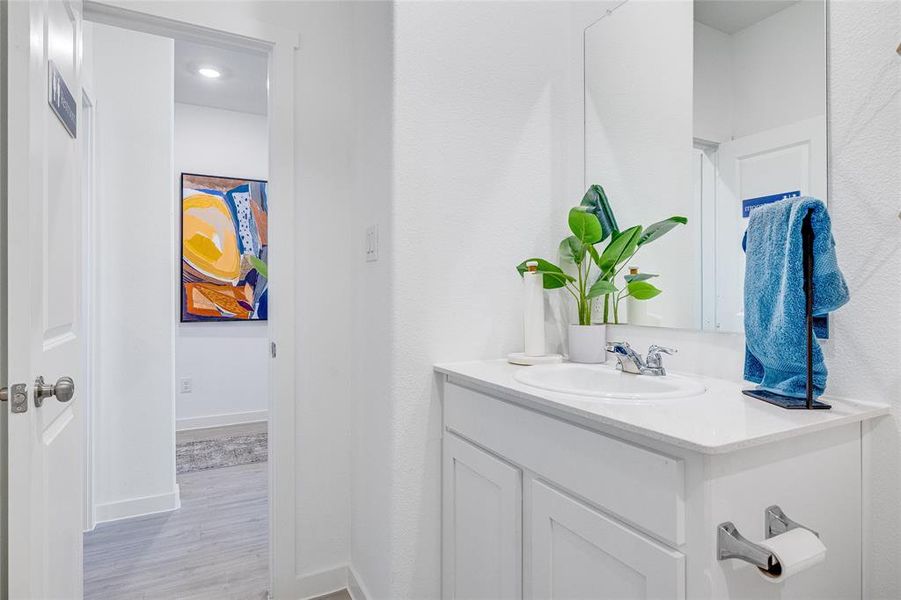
(588, 343)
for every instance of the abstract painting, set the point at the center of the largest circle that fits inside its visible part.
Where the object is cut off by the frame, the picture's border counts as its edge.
(224, 249)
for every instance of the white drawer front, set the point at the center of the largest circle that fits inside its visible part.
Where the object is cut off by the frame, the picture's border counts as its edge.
(643, 487)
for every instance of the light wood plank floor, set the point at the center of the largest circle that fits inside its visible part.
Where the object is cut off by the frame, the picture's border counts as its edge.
(214, 548)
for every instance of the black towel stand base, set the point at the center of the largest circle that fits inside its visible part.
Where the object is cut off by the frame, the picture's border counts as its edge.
(790, 402)
(786, 401)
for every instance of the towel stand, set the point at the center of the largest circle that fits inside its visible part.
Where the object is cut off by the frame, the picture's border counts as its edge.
(808, 402)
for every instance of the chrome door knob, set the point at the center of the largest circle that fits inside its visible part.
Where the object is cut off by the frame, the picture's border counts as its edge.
(63, 389)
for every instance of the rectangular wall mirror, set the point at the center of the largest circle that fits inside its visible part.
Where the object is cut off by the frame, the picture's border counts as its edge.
(704, 109)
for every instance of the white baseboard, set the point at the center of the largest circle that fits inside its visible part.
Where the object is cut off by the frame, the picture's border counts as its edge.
(251, 416)
(355, 586)
(137, 507)
(319, 584)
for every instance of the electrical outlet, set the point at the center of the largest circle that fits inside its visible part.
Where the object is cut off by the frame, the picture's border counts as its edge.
(372, 243)
(185, 385)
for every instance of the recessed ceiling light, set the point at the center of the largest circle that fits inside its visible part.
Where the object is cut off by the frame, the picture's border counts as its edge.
(209, 72)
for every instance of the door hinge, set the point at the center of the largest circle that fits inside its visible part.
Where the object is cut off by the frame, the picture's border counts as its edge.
(272, 349)
(17, 395)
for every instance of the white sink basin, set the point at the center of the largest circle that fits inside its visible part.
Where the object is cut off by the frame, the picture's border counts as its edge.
(602, 381)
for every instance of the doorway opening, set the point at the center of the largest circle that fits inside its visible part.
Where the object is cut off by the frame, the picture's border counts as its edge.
(176, 297)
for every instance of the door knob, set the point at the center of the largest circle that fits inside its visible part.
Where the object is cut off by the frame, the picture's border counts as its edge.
(63, 389)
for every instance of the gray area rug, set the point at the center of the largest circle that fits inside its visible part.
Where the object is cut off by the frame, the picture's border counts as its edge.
(222, 452)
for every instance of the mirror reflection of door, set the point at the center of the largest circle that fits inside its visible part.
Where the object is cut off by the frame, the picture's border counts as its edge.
(732, 91)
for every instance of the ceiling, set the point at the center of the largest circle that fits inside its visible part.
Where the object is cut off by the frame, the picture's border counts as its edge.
(730, 16)
(242, 87)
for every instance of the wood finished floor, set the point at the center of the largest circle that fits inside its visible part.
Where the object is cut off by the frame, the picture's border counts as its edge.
(215, 547)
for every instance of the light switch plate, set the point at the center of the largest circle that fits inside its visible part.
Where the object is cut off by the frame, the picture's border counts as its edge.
(372, 243)
(185, 385)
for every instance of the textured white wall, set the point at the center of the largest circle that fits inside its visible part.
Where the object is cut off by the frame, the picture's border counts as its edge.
(228, 363)
(485, 116)
(865, 199)
(134, 409)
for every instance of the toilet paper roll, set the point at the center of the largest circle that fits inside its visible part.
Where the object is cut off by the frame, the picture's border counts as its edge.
(795, 551)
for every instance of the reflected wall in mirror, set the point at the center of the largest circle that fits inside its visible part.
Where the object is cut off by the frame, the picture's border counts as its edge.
(705, 109)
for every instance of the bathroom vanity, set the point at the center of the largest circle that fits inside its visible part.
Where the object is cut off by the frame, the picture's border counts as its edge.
(558, 495)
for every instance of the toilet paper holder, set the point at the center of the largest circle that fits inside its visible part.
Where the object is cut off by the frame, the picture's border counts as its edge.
(730, 543)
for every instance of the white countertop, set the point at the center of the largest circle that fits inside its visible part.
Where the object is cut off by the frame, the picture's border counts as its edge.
(720, 420)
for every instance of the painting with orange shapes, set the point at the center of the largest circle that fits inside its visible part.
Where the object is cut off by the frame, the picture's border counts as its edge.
(224, 249)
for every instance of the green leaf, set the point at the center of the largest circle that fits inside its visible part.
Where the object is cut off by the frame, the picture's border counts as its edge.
(553, 276)
(642, 290)
(639, 277)
(572, 249)
(620, 248)
(659, 229)
(601, 287)
(261, 267)
(584, 225)
(595, 200)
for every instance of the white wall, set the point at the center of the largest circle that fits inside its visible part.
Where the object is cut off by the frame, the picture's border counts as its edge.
(865, 140)
(228, 363)
(133, 409)
(486, 109)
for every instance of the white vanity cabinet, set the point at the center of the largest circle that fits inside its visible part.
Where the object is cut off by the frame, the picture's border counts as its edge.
(543, 500)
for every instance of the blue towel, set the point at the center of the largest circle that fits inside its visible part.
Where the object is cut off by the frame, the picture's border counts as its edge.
(775, 325)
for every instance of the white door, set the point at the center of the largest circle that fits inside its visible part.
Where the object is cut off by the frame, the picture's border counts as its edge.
(44, 239)
(482, 524)
(578, 553)
(755, 169)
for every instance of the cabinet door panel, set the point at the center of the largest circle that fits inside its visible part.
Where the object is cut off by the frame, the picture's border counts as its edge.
(578, 553)
(482, 524)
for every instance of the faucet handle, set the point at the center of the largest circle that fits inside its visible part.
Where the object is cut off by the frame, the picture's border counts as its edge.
(655, 349)
(654, 359)
(617, 346)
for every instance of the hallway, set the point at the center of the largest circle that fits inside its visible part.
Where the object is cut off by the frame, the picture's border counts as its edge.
(214, 547)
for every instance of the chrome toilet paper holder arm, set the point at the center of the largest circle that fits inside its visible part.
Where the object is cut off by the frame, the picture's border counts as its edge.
(777, 522)
(730, 543)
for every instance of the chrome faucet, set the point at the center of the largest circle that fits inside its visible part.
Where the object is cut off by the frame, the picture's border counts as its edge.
(630, 361)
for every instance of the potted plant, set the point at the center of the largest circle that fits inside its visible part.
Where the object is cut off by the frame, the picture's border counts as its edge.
(591, 223)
